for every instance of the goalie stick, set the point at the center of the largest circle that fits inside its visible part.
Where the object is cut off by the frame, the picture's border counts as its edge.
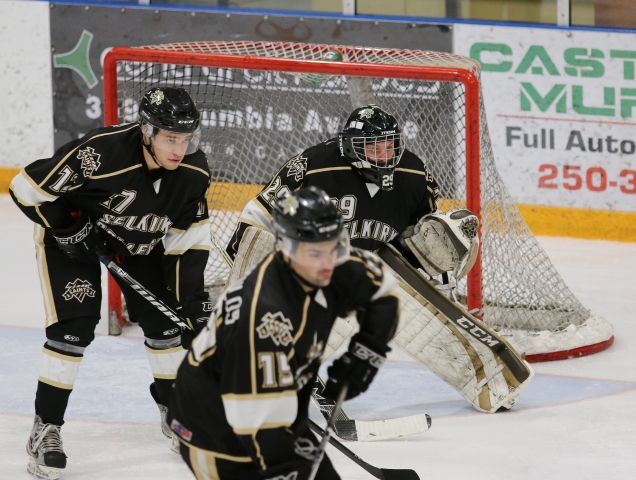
(366, 431)
(381, 473)
(459, 317)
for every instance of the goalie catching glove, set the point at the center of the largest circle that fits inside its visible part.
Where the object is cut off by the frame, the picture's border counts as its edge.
(444, 242)
(81, 240)
(357, 367)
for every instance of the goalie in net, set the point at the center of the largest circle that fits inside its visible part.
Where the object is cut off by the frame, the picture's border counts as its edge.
(387, 196)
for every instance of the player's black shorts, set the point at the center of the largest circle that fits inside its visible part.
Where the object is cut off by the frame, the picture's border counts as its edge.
(72, 291)
(204, 464)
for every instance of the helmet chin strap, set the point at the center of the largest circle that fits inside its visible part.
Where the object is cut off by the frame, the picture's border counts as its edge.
(148, 147)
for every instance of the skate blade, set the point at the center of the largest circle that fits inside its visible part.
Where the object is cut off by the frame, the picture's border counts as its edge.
(42, 471)
(174, 444)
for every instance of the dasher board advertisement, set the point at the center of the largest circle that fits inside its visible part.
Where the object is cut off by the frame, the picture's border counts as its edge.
(561, 109)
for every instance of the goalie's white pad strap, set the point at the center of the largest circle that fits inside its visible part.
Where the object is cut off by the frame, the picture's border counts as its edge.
(454, 355)
(255, 245)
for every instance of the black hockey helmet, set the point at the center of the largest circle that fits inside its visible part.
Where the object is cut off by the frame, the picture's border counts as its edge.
(172, 110)
(372, 142)
(307, 215)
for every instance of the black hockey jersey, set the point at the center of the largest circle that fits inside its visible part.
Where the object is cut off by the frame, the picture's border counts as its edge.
(244, 388)
(372, 217)
(104, 174)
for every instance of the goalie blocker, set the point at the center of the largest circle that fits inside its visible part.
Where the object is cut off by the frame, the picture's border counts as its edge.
(456, 346)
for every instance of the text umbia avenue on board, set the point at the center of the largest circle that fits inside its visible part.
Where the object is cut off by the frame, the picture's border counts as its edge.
(544, 138)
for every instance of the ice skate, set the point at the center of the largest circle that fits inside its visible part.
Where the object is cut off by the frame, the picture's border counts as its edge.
(165, 428)
(45, 449)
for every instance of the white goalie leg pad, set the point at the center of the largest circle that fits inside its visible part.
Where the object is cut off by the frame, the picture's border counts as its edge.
(342, 329)
(165, 363)
(255, 245)
(58, 370)
(455, 355)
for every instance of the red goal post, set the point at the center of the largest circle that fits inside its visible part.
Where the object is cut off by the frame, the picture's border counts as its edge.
(128, 72)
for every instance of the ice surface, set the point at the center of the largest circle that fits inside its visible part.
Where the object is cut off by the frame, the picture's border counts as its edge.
(576, 420)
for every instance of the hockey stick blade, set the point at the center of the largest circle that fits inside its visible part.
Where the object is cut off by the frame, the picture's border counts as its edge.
(373, 431)
(381, 473)
(351, 430)
(141, 290)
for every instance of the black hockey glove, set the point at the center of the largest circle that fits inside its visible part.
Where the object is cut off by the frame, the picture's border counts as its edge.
(358, 366)
(196, 314)
(81, 240)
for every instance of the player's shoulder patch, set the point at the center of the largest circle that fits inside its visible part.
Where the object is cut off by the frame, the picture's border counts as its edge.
(297, 167)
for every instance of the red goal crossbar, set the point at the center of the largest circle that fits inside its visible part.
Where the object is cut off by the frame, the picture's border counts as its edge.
(464, 76)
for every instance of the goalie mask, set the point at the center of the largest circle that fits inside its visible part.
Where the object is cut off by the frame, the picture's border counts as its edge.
(170, 110)
(444, 242)
(308, 216)
(372, 142)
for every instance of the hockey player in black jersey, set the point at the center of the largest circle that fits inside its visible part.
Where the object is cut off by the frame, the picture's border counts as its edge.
(136, 192)
(240, 405)
(380, 187)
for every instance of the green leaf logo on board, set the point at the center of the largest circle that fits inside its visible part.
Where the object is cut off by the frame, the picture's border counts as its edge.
(77, 59)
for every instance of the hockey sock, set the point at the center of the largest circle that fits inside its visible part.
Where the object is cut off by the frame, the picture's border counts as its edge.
(58, 370)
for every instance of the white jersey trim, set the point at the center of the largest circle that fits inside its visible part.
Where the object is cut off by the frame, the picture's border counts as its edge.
(27, 192)
(196, 237)
(255, 214)
(252, 412)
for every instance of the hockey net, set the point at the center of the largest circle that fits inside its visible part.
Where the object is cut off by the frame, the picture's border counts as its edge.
(261, 103)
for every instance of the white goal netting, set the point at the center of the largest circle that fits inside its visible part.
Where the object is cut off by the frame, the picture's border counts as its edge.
(258, 111)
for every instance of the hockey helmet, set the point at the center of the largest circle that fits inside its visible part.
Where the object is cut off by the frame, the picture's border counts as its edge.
(171, 110)
(372, 142)
(307, 215)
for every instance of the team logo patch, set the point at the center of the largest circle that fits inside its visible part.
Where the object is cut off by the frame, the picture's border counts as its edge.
(469, 227)
(181, 430)
(79, 289)
(297, 168)
(90, 161)
(156, 97)
(289, 205)
(277, 327)
(366, 113)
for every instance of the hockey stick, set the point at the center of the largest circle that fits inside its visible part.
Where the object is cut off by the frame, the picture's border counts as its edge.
(320, 454)
(381, 473)
(353, 430)
(141, 290)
